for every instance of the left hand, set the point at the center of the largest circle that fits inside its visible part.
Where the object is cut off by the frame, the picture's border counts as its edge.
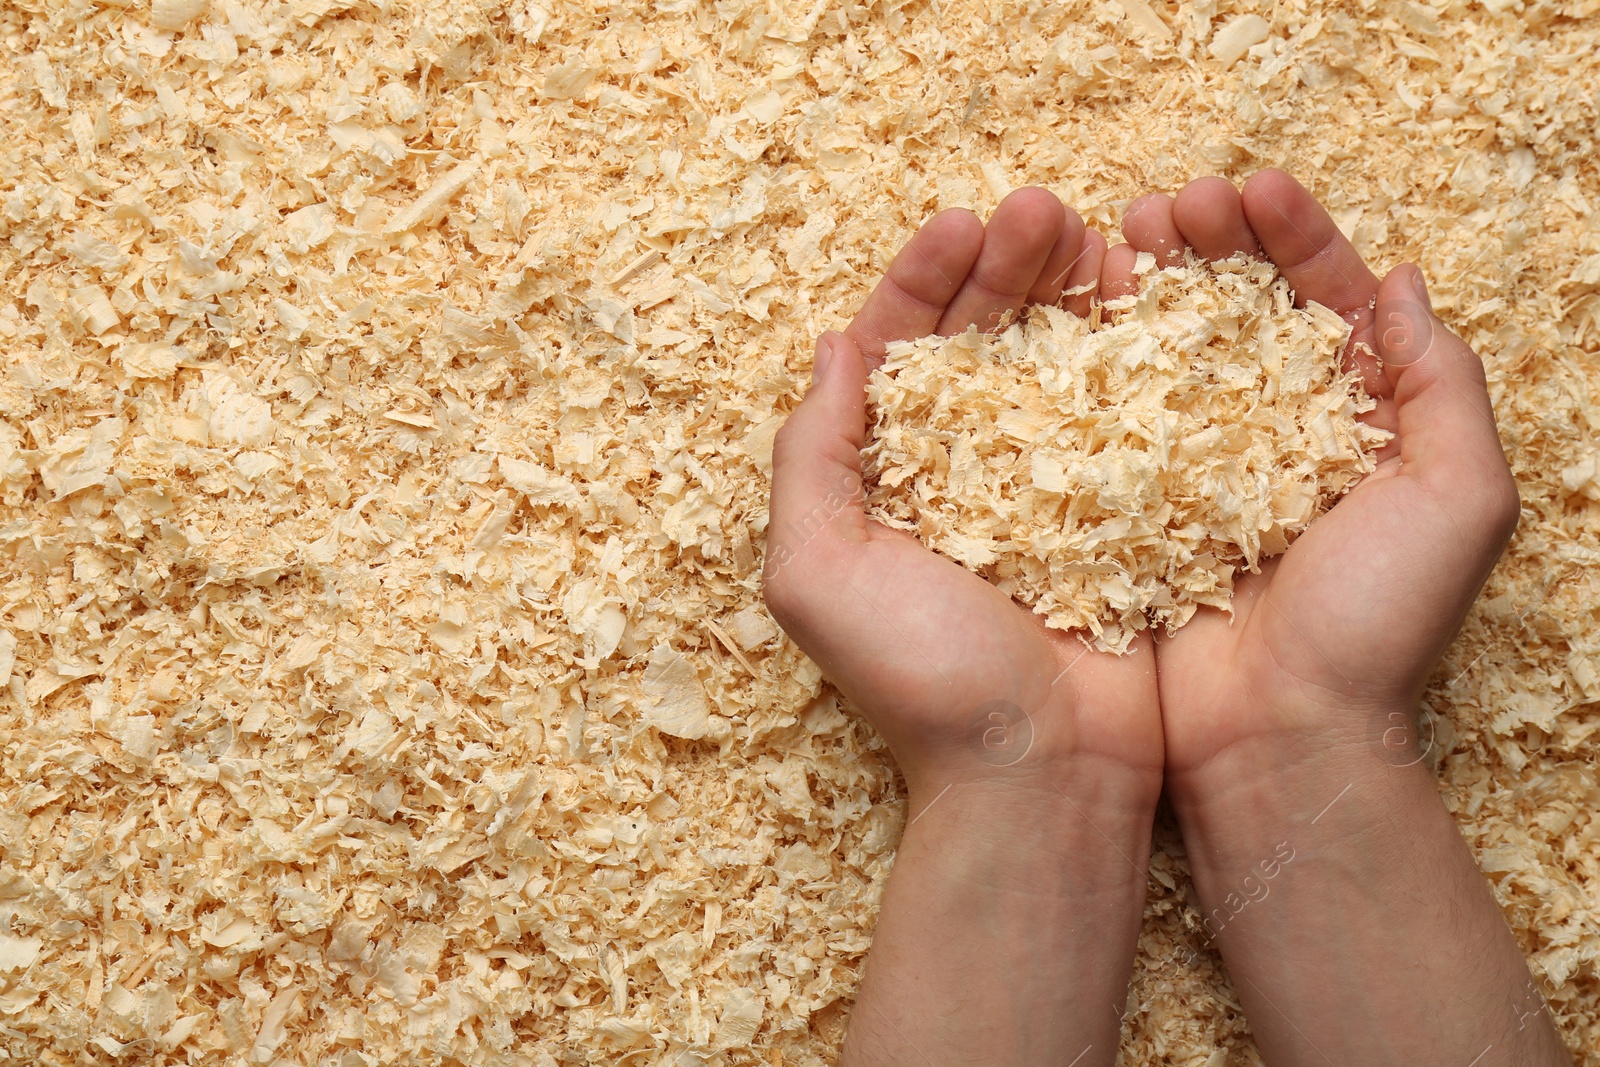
(920, 645)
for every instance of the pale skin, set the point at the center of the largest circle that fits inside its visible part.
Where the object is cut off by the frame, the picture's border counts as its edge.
(1008, 927)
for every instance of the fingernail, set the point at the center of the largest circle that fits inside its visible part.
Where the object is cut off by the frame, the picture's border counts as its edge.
(822, 358)
(1421, 287)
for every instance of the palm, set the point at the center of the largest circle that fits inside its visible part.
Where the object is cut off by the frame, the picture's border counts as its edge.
(930, 642)
(1360, 606)
(917, 642)
(1310, 624)
(939, 640)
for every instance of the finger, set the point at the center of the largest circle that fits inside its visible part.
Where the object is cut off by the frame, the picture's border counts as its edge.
(1016, 243)
(919, 284)
(1318, 261)
(1083, 280)
(817, 452)
(1116, 274)
(1147, 225)
(816, 509)
(1301, 238)
(1059, 263)
(1448, 440)
(1210, 214)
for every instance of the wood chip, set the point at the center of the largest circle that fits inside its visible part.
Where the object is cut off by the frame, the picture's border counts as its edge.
(329, 737)
(1236, 36)
(1119, 475)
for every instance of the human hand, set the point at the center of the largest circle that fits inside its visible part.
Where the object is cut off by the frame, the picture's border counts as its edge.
(1329, 647)
(1046, 840)
(1380, 942)
(927, 650)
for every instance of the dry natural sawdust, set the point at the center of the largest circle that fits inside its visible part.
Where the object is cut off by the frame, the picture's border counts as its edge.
(385, 415)
(1115, 475)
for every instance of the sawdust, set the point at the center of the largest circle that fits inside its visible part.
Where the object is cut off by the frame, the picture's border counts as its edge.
(387, 400)
(1114, 476)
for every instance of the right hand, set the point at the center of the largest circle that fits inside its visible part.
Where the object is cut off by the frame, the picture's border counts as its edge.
(1335, 639)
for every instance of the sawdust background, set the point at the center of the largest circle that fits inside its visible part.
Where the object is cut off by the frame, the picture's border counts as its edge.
(343, 547)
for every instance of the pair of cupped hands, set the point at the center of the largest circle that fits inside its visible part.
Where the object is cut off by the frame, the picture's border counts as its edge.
(1328, 647)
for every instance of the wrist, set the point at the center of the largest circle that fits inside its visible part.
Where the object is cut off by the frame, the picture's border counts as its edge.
(1105, 755)
(1017, 895)
(1100, 786)
(1303, 749)
(1337, 886)
(1088, 832)
(1328, 793)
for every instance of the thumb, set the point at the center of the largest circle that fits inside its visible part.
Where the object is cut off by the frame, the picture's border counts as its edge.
(817, 496)
(1447, 432)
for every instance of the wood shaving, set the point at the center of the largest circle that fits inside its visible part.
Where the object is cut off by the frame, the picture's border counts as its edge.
(1116, 477)
(325, 736)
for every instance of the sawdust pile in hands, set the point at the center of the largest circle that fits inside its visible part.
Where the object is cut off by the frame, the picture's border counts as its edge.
(1116, 474)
